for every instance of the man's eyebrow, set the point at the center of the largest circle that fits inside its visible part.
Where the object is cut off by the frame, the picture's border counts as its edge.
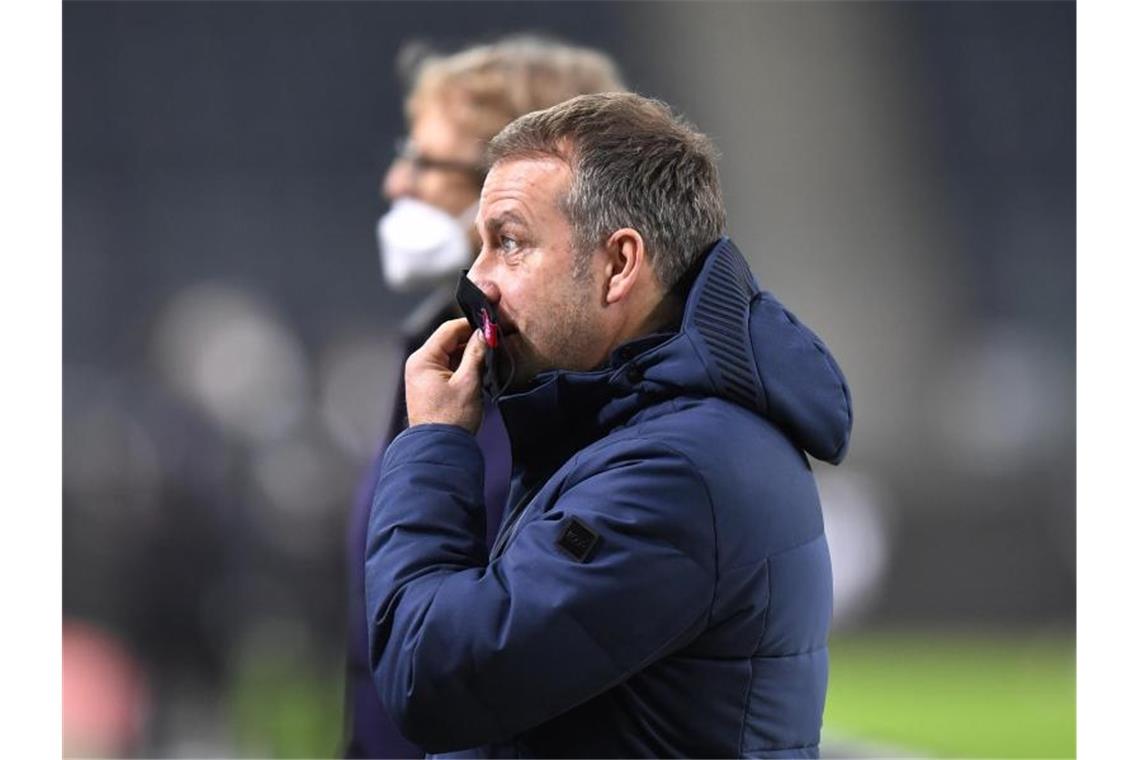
(501, 218)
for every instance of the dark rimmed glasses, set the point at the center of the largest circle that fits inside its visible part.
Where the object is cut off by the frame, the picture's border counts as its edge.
(406, 151)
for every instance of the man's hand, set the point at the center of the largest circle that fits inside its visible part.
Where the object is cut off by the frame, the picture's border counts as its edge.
(439, 390)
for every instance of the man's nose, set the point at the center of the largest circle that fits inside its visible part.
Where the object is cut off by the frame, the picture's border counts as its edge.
(482, 274)
(399, 182)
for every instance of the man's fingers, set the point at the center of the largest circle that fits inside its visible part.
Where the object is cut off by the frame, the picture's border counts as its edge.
(471, 365)
(448, 337)
(445, 341)
(436, 392)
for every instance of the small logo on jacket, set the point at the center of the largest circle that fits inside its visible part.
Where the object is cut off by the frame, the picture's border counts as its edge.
(577, 539)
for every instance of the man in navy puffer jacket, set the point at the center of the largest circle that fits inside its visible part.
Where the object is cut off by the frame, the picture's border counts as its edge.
(661, 584)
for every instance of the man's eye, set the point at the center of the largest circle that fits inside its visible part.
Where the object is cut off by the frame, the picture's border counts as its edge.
(508, 244)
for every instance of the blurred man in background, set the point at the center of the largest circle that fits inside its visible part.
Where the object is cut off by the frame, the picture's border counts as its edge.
(456, 104)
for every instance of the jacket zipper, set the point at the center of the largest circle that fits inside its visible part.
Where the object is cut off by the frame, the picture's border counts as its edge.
(513, 522)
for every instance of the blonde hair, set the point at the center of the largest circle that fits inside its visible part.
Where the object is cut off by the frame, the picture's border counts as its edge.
(488, 86)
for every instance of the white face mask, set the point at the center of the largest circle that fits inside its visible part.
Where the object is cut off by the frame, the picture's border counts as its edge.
(421, 245)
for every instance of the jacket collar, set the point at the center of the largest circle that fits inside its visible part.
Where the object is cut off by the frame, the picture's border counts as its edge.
(562, 412)
(734, 342)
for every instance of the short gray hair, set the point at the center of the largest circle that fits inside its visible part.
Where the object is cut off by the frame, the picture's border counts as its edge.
(634, 163)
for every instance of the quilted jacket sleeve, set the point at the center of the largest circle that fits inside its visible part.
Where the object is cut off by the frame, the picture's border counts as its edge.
(466, 653)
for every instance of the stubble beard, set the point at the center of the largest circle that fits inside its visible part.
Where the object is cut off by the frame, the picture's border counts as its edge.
(566, 340)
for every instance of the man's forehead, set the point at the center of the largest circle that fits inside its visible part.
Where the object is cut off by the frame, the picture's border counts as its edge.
(524, 180)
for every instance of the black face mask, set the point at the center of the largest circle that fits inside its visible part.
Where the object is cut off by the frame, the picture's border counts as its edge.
(498, 366)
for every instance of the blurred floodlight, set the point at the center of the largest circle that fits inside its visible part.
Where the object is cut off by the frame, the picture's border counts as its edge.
(107, 451)
(1004, 400)
(358, 380)
(302, 483)
(225, 350)
(297, 475)
(857, 535)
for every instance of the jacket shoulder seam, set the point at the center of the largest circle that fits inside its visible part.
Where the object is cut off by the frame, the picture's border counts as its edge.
(712, 523)
(692, 467)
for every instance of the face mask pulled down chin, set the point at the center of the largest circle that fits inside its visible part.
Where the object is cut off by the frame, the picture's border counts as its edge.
(420, 245)
(498, 366)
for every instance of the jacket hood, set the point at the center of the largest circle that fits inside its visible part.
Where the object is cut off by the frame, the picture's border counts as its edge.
(735, 342)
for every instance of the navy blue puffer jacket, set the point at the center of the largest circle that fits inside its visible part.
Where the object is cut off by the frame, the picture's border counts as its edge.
(661, 585)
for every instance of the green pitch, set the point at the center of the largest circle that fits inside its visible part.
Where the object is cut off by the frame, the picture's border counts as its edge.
(954, 695)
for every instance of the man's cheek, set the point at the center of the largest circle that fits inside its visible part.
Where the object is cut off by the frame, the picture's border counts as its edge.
(518, 346)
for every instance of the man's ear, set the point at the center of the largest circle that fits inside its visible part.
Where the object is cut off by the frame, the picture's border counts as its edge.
(625, 262)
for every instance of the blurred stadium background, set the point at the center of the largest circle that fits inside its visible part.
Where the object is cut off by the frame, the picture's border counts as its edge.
(902, 174)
